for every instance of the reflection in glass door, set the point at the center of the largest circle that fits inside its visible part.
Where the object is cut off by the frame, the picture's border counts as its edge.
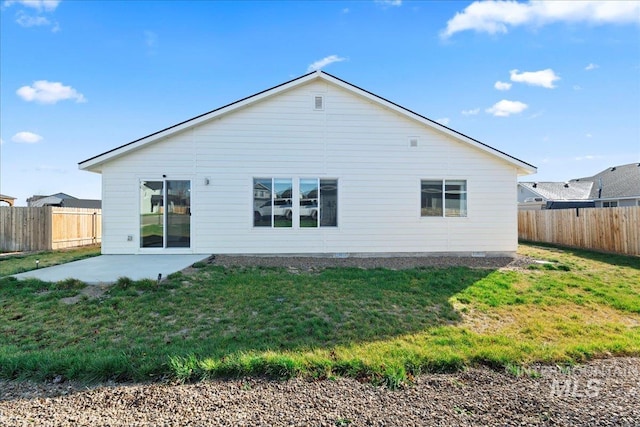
(178, 200)
(151, 214)
(165, 214)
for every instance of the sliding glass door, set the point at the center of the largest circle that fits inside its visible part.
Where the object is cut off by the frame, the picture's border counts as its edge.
(165, 214)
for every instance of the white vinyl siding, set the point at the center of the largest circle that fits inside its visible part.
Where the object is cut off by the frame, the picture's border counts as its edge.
(354, 139)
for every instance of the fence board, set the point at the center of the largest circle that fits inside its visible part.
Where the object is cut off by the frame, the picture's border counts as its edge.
(603, 229)
(47, 228)
(73, 227)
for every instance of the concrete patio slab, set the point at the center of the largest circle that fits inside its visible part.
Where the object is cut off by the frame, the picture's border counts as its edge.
(106, 269)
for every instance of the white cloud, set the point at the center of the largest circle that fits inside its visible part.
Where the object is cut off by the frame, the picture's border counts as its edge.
(577, 87)
(587, 157)
(544, 78)
(345, 10)
(443, 121)
(52, 169)
(324, 62)
(472, 112)
(589, 135)
(395, 3)
(26, 138)
(39, 5)
(498, 16)
(591, 66)
(506, 108)
(25, 20)
(502, 85)
(45, 92)
(150, 39)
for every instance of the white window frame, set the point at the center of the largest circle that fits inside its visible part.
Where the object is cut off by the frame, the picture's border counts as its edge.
(273, 180)
(192, 200)
(444, 197)
(295, 207)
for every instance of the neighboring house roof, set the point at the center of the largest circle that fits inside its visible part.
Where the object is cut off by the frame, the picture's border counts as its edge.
(45, 201)
(63, 196)
(560, 190)
(617, 182)
(82, 203)
(64, 200)
(94, 164)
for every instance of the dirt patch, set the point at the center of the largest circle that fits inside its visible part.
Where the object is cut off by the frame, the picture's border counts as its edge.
(296, 264)
(89, 292)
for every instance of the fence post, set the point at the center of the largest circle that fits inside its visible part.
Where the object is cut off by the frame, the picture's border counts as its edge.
(49, 228)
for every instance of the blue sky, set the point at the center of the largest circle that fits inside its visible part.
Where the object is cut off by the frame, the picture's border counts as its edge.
(556, 84)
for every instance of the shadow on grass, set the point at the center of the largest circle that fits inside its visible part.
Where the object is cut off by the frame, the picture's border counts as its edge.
(239, 321)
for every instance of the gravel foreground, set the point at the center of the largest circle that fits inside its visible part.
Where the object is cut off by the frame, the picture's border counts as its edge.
(600, 393)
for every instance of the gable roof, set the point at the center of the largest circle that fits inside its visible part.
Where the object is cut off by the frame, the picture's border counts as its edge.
(560, 190)
(68, 201)
(94, 163)
(616, 182)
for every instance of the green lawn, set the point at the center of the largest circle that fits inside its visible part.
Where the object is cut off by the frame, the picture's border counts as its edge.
(381, 325)
(19, 263)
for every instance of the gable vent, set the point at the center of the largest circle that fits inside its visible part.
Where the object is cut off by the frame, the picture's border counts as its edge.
(318, 102)
(413, 142)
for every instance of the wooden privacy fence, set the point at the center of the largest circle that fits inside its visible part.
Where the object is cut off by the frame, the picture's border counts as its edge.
(603, 229)
(47, 228)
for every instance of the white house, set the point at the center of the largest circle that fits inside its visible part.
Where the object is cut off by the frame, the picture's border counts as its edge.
(313, 166)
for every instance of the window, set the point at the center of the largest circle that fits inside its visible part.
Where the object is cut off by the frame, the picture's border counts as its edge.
(165, 214)
(309, 203)
(328, 203)
(273, 207)
(272, 202)
(443, 198)
(431, 198)
(610, 204)
(455, 198)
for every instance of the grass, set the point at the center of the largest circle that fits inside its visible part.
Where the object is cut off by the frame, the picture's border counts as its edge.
(380, 325)
(21, 262)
